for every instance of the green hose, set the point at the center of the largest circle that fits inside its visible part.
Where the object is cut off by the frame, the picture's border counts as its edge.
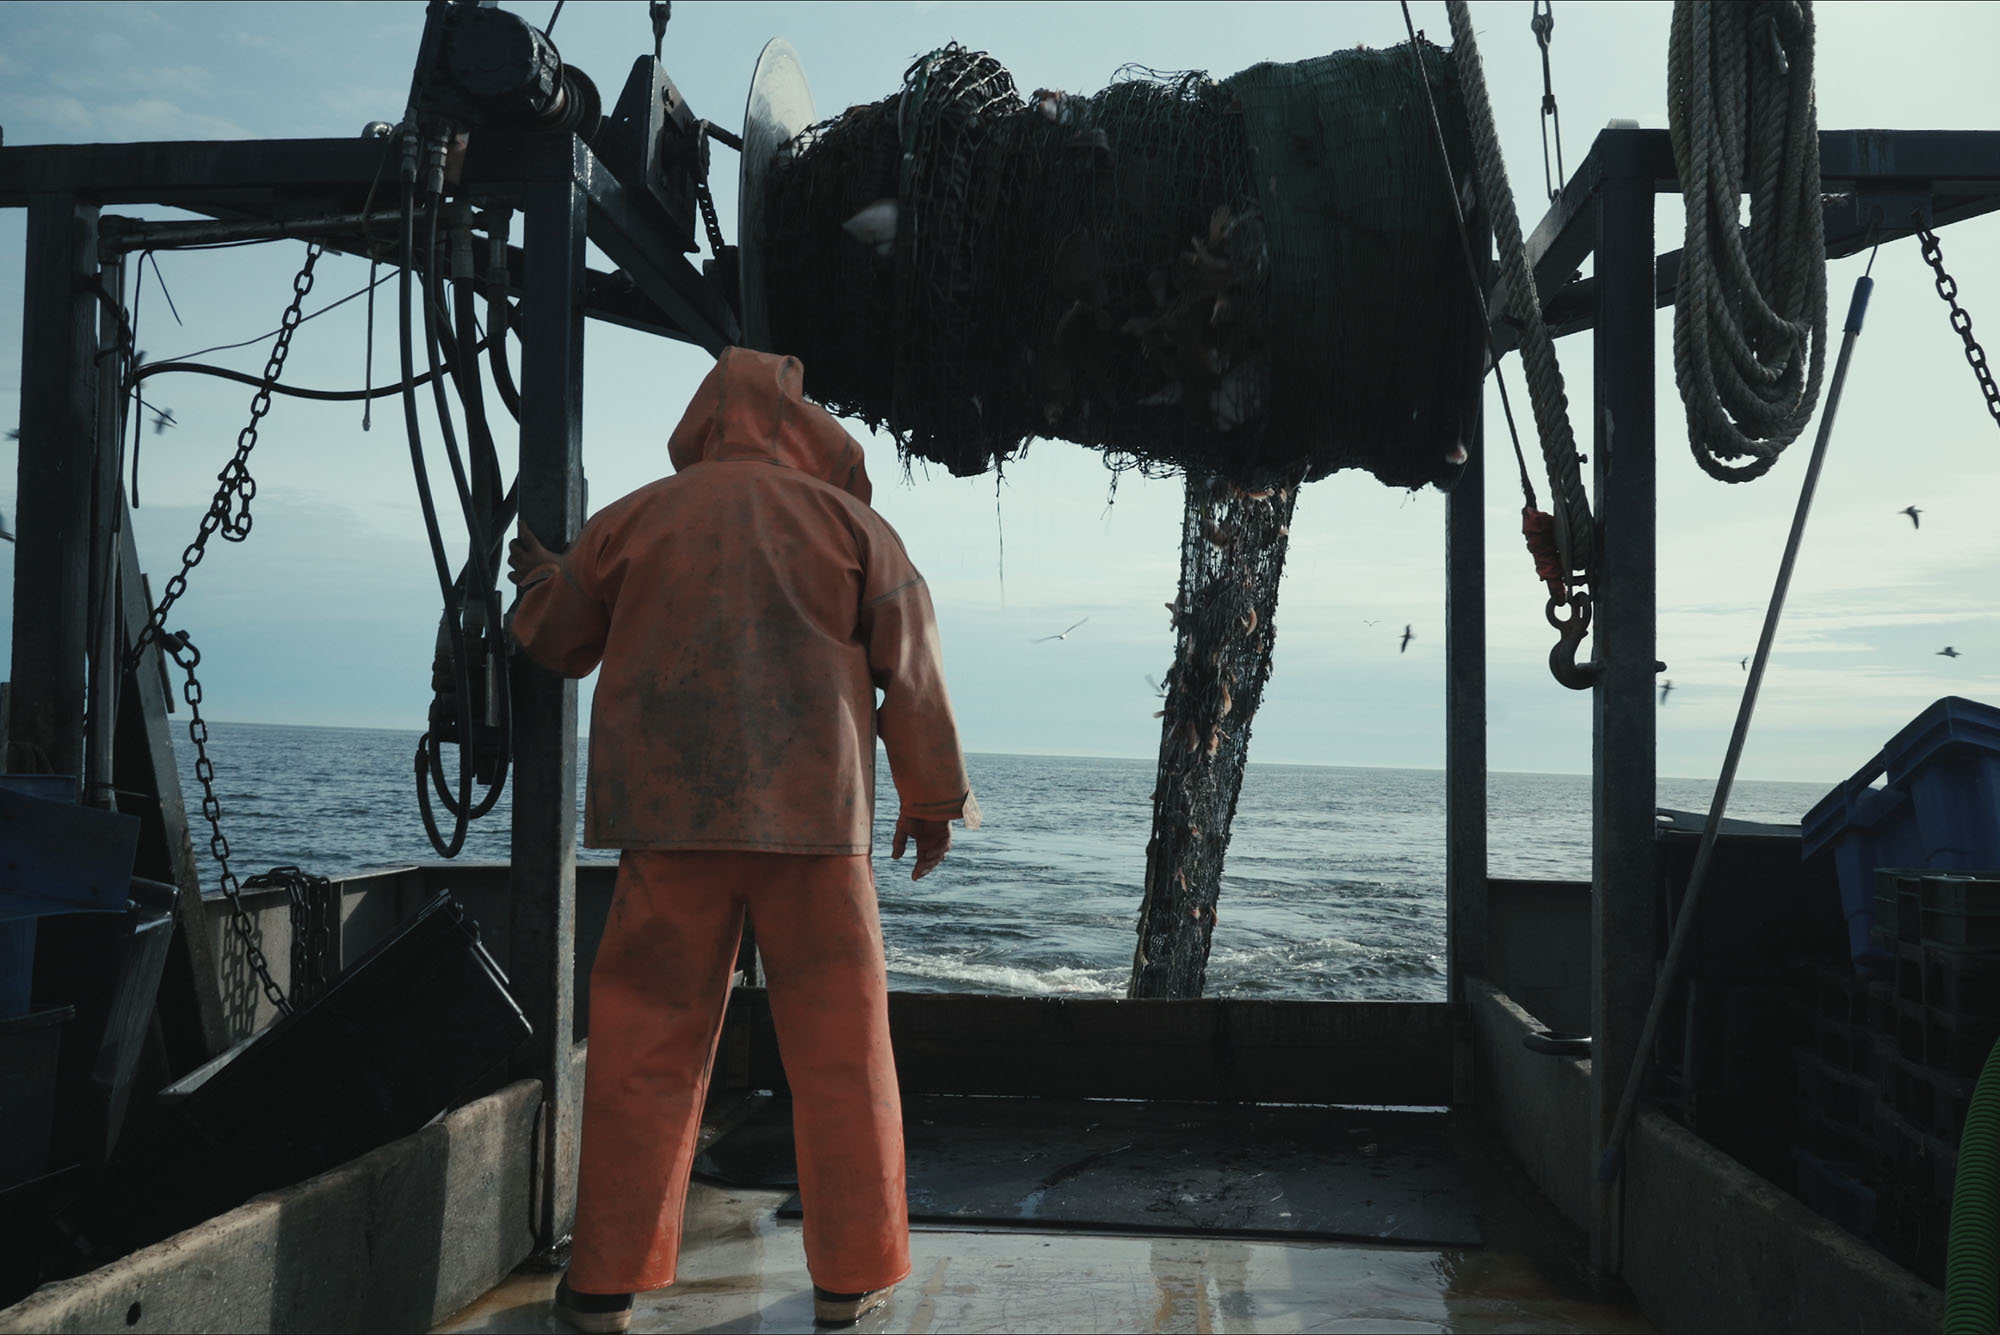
(1972, 1254)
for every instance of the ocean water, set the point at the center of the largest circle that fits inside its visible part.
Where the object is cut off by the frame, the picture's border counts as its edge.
(1334, 886)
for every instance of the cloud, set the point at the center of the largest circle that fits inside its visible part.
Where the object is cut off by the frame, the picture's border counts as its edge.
(157, 118)
(68, 115)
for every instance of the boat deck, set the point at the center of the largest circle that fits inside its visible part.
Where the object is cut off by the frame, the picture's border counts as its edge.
(743, 1269)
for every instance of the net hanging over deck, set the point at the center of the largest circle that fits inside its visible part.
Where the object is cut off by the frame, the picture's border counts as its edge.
(1257, 278)
(1253, 282)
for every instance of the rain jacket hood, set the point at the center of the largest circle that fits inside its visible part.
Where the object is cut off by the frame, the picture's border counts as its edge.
(752, 406)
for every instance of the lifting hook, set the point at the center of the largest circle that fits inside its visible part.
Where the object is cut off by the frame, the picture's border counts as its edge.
(1570, 631)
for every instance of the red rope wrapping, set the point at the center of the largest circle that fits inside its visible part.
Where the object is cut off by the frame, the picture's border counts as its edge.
(1540, 531)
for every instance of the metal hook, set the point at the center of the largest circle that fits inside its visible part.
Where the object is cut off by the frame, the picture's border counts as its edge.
(1570, 631)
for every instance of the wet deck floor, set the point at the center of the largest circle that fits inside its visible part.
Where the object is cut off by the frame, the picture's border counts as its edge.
(743, 1269)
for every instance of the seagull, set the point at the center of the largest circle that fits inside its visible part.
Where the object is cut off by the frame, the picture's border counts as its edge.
(1366, 622)
(1948, 652)
(162, 419)
(1060, 635)
(1744, 662)
(1408, 635)
(1666, 686)
(1912, 511)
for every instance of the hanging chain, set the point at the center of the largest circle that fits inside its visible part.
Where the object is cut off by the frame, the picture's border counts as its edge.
(184, 653)
(701, 194)
(1975, 356)
(230, 510)
(313, 922)
(1544, 25)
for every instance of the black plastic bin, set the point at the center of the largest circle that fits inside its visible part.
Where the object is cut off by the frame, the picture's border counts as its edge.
(1763, 910)
(108, 967)
(396, 1040)
(29, 1047)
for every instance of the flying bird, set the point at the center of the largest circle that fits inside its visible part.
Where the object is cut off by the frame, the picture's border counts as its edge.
(1666, 688)
(1059, 635)
(1408, 635)
(1948, 652)
(1366, 622)
(162, 419)
(1912, 511)
(1744, 662)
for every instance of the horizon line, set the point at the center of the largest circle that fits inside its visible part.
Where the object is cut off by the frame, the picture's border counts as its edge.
(1130, 759)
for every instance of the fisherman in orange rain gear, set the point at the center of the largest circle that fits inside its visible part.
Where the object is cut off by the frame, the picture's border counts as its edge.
(745, 612)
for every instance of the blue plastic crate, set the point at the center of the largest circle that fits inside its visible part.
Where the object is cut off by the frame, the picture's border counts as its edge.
(1862, 828)
(1938, 807)
(1948, 760)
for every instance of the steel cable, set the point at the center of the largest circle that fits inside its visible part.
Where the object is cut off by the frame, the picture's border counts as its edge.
(1574, 530)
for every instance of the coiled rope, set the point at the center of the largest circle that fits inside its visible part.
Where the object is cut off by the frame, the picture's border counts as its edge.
(1750, 317)
(1521, 305)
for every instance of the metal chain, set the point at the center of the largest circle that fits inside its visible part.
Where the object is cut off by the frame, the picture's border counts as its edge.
(312, 900)
(184, 653)
(701, 194)
(1975, 356)
(229, 511)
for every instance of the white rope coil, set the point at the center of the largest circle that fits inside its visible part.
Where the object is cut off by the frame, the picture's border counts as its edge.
(1750, 316)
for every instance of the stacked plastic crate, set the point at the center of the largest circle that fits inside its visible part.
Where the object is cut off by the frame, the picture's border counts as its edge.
(1938, 1016)
(1891, 1050)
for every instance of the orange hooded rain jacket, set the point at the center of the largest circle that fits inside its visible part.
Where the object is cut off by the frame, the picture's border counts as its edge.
(745, 611)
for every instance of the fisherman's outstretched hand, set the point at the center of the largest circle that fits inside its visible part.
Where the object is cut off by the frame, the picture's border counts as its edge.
(933, 842)
(526, 556)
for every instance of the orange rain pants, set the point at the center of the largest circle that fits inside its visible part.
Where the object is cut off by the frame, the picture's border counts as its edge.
(657, 994)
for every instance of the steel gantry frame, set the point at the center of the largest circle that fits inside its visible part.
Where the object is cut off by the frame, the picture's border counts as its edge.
(1881, 185)
(71, 506)
(1877, 186)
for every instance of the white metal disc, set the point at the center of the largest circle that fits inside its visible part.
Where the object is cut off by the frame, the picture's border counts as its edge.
(780, 105)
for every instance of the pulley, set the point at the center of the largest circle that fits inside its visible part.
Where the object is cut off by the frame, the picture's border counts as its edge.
(485, 66)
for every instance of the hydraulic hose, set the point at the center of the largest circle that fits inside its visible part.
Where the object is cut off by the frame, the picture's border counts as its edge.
(498, 314)
(478, 575)
(504, 512)
(476, 527)
(463, 350)
(405, 296)
(1972, 1255)
(494, 512)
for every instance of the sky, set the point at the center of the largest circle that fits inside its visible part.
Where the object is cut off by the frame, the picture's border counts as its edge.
(326, 615)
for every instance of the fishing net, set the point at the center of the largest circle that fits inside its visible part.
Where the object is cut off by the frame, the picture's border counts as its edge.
(1233, 544)
(1246, 278)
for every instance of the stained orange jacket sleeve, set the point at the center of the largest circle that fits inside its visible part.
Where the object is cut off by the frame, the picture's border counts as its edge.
(558, 623)
(906, 663)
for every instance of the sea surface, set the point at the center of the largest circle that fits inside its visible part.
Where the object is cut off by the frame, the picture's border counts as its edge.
(1334, 886)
